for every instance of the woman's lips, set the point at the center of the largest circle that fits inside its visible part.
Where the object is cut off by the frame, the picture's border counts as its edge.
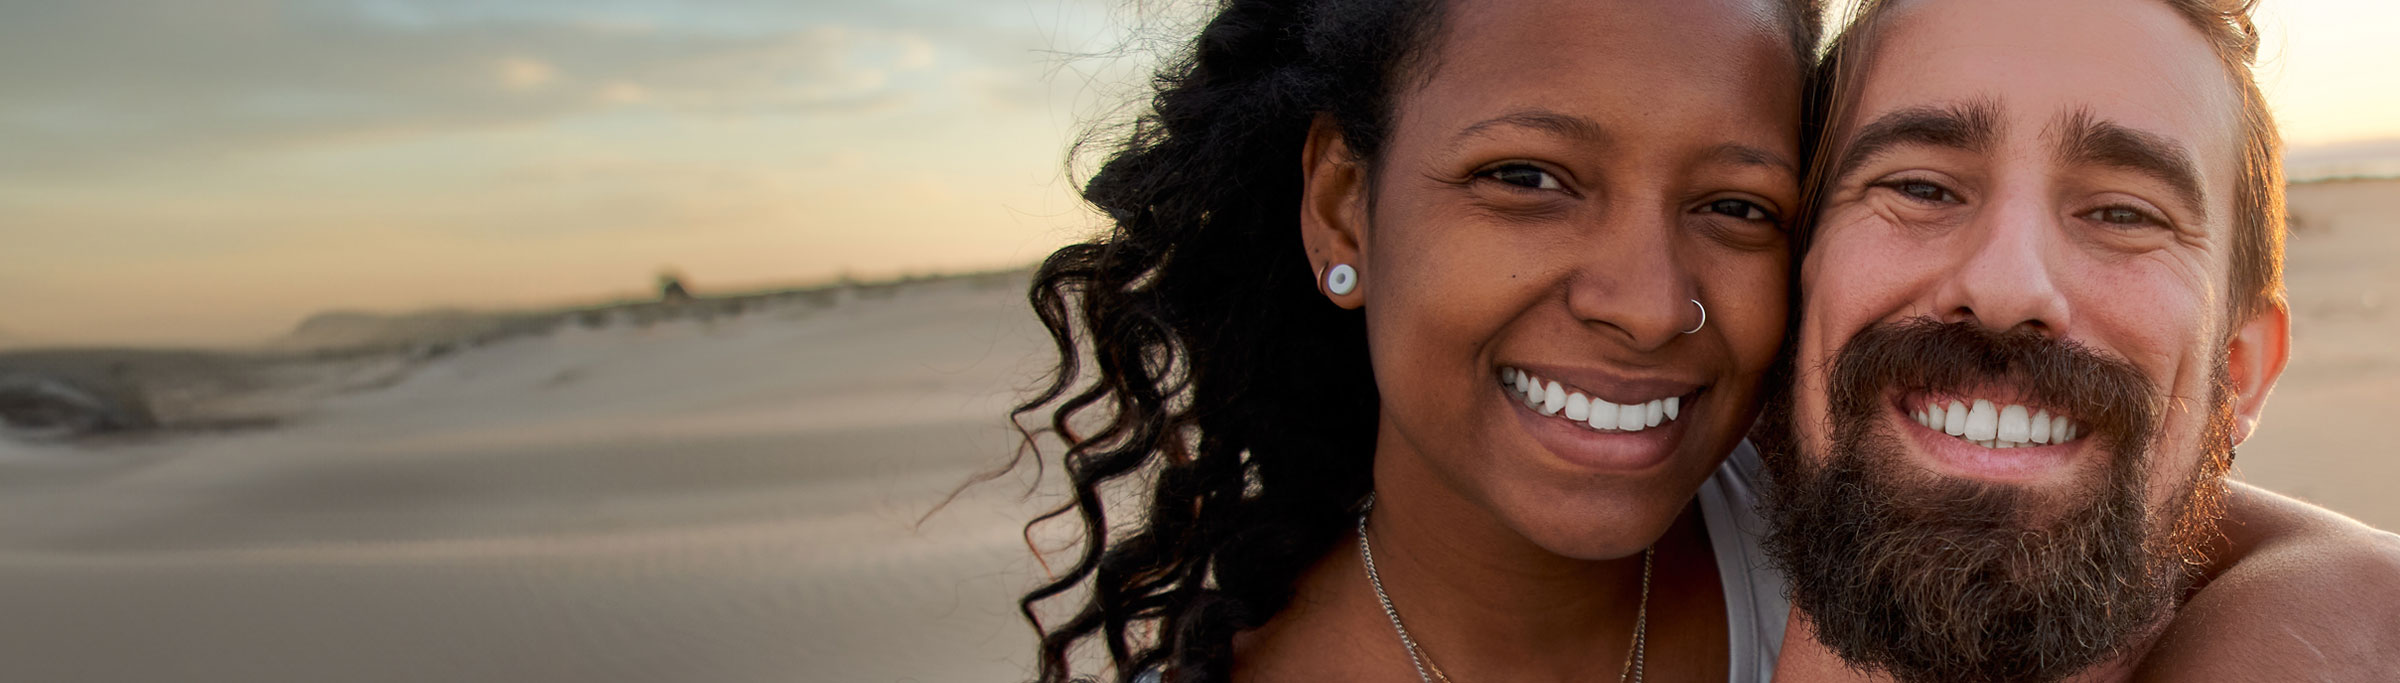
(1577, 405)
(1607, 427)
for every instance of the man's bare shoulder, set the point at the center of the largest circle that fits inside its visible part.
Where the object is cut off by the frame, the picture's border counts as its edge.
(2298, 593)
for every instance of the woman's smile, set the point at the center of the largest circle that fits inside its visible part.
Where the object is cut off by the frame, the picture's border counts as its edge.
(1595, 420)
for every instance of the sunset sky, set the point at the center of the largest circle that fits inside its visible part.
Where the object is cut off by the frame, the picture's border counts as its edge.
(212, 173)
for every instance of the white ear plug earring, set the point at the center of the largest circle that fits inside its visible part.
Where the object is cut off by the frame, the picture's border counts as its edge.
(1341, 279)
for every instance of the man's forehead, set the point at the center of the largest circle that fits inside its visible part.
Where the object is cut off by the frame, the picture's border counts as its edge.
(2045, 66)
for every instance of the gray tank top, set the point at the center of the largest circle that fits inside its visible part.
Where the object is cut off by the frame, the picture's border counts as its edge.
(1755, 606)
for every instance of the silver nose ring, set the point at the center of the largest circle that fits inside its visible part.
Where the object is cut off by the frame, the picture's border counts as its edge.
(1703, 317)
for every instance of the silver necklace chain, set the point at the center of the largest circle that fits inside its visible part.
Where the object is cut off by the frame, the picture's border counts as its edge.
(1417, 657)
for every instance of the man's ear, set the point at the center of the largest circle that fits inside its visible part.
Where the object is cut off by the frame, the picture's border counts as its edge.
(2255, 357)
(1333, 210)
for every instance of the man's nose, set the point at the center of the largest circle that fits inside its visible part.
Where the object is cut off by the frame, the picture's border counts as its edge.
(2005, 280)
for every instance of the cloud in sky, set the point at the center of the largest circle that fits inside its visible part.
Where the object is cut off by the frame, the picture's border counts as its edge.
(214, 171)
(95, 86)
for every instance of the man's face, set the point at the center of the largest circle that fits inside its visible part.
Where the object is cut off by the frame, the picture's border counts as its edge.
(2009, 385)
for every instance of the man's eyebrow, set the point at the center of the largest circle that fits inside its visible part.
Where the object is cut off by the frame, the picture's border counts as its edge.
(1966, 127)
(1567, 125)
(2085, 139)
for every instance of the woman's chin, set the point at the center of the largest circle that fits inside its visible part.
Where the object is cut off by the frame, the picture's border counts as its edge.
(1602, 527)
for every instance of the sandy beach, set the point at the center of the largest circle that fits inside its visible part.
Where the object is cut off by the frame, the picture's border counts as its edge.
(731, 499)
(720, 492)
(2320, 439)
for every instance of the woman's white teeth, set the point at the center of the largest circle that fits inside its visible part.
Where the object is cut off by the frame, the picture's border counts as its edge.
(1989, 425)
(1604, 415)
(1552, 398)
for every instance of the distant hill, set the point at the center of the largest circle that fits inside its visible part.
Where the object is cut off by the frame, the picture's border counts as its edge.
(2363, 159)
(438, 331)
(67, 394)
(354, 329)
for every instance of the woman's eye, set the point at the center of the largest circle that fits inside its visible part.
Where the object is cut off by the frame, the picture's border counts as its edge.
(1739, 209)
(2119, 215)
(1528, 177)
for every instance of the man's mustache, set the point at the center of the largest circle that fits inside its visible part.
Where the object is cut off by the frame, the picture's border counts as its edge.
(2110, 398)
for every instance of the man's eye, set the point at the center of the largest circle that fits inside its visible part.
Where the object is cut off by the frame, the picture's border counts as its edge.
(2119, 215)
(1520, 175)
(1739, 209)
(1924, 191)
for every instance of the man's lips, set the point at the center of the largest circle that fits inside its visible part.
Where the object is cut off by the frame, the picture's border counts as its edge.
(1990, 422)
(1983, 439)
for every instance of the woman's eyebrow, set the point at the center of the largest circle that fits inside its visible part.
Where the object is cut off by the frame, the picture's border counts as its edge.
(1556, 123)
(1738, 154)
(1965, 127)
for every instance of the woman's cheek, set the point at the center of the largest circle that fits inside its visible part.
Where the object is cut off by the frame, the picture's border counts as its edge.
(1757, 283)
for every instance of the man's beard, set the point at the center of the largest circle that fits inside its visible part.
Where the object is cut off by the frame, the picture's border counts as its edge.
(1931, 578)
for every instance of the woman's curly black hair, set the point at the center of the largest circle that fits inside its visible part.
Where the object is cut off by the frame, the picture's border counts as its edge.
(1217, 374)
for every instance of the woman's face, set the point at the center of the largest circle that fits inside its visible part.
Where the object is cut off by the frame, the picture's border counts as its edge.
(1562, 180)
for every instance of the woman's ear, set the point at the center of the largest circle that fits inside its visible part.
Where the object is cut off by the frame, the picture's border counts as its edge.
(1333, 211)
(2255, 358)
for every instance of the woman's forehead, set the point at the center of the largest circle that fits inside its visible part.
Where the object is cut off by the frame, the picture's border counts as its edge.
(1628, 66)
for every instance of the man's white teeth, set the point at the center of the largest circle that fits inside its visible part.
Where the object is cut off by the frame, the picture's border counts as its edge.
(2013, 425)
(1989, 425)
(1983, 421)
(1554, 399)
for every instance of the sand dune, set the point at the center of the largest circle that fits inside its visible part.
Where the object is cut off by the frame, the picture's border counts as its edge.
(722, 493)
(725, 500)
